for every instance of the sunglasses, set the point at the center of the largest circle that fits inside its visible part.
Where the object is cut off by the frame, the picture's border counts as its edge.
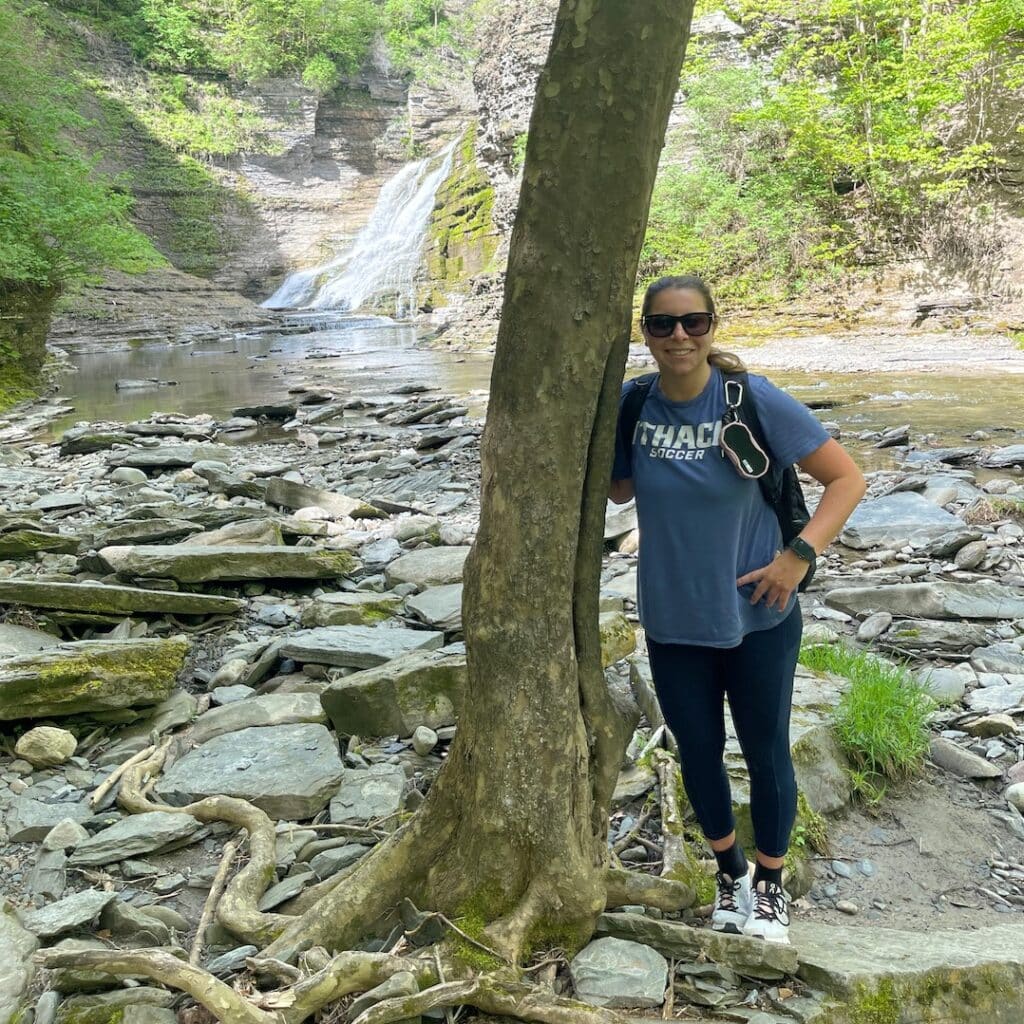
(662, 325)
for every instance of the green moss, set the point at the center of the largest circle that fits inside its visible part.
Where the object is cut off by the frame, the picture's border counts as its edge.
(549, 933)
(462, 235)
(692, 873)
(811, 829)
(878, 1007)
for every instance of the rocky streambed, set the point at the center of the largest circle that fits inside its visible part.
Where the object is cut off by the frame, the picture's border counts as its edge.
(271, 601)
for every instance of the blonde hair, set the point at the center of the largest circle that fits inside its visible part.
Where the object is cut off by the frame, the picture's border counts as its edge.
(727, 362)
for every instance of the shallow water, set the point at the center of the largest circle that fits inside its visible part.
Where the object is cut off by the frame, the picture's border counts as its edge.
(372, 356)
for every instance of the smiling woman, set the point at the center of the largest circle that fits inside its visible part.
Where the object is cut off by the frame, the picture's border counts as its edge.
(717, 596)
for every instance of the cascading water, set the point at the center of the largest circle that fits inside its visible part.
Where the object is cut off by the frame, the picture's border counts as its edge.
(384, 257)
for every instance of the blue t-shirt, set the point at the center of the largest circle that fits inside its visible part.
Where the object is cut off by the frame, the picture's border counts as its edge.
(702, 525)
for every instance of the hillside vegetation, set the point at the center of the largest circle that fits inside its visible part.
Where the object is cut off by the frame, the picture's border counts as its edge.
(855, 131)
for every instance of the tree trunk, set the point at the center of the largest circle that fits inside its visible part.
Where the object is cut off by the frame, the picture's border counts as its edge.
(530, 775)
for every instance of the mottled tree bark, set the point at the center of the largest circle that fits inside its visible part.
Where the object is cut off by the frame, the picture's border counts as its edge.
(530, 775)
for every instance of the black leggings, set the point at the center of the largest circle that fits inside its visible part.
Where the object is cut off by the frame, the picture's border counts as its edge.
(691, 683)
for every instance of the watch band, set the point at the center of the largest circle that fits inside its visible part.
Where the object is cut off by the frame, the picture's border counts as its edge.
(803, 550)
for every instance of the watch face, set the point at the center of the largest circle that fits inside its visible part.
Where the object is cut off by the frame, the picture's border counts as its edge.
(803, 550)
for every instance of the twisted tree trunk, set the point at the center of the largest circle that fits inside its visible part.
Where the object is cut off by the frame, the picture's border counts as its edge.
(511, 843)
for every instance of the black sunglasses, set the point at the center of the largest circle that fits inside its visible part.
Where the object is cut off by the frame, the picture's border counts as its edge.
(661, 325)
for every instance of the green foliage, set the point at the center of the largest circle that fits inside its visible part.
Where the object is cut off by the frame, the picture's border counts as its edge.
(810, 831)
(320, 74)
(59, 218)
(854, 131)
(882, 719)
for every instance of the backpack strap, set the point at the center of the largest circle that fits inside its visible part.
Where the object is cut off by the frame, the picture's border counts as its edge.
(629, 411)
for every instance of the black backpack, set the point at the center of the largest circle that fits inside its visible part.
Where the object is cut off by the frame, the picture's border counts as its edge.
(780, 486)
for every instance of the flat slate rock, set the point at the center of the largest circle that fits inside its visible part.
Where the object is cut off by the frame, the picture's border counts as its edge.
(98, 599)
(373, 794)
(993, 699)
(145, 531)
(428, 567)
(983, 599)
(357, 646)
(171, 456)
(751, 957)
(439, 607)
(25, 543)
(135, 835)
(16, 968)
(190, 563)
(967, 765)
(1011, 455)
(30, 821)
(892, 521)
(269, 710)
(16, 640)
(289, 494)
(89, 676)
(289, 771)
(66, 914)
(1007, 659)
(948, 968)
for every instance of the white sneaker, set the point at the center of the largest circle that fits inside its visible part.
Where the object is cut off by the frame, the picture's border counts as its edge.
(769, 917)
(733, 903)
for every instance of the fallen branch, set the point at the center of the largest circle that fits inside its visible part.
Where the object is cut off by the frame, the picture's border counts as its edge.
(115, 776)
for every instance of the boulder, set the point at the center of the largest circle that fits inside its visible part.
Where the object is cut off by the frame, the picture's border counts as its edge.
(897, 519)
(45, 746)
(619, 520)
(618, 638)
(98, 599)
(289, 771)
(422, 688)
(135, 835)
(362, 608)
(357, 646)
(932, 635)
(16, 968)
(90, 676)
(122, 1006)
(193, 563)
(289, 494)
(617, 972)
(373, 794)
(428, 567)
(982, 599)
(946, 685)
(269, 710)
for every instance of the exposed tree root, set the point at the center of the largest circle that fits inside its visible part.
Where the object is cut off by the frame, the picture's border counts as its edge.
(227, 1005)
(493, 994)
(237, 909)
(625, 887)
(345, 913)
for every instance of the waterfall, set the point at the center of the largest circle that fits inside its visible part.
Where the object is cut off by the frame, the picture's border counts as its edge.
(384, 257)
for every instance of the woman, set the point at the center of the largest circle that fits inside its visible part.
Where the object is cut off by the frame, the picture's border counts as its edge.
(716, 595)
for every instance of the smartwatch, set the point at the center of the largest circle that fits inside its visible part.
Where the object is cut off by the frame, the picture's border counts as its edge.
(804, 551)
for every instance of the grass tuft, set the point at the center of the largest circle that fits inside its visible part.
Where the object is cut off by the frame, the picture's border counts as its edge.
(881, 721)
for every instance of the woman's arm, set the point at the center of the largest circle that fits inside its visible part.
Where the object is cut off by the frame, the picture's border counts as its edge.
(844, 483)
(621, 491)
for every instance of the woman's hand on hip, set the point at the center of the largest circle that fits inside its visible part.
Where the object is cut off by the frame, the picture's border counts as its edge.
(777, 580)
